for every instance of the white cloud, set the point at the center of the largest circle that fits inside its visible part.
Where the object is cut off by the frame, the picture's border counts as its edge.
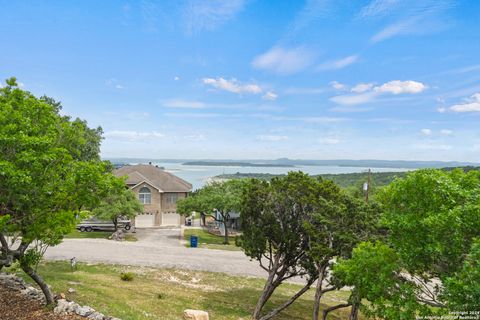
(232, 85)
(176, 78)
(270, 96)
(272, 138)
(284, 61)
(195, 137)
(296, 90)
(112, 82)
(328, 140)
(354, 99)
(442, 109)
(184, 104)
(398, 87)
(133, 135)
(446, 132)
(370, 93)
(427, 132)
(337, 64)
(472, 104)
(362, 87)
(337, 85)
(209, 15)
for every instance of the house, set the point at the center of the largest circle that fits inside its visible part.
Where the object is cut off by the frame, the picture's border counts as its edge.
(159, 191)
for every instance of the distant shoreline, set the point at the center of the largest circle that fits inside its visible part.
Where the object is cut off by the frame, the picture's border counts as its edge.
(236, 164)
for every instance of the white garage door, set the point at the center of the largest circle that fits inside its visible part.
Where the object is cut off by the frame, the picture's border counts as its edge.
(170, 219)
(145, 221)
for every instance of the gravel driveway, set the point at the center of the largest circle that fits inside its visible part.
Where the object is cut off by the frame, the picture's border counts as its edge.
(156, 248)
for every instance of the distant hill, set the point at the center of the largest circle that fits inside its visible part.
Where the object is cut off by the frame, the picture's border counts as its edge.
(235, 164)
(282, 162)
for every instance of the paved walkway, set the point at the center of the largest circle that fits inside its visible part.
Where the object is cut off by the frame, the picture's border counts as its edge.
(156, 248)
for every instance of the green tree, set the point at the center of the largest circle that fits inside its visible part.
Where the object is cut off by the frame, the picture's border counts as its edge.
(273, 215)
(375, 274)
(462, 290)
(338, 223)
(118, 205)
(432, 218)
(48, 175)
(220, 197)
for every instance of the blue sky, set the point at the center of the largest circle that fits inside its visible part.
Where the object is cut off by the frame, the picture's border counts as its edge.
(383, 79)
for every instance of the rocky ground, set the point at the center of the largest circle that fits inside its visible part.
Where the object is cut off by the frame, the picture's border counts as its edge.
(18, 300)
(17, 306)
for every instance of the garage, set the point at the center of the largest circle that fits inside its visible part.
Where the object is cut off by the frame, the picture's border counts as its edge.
(145, 220)
(170, 219)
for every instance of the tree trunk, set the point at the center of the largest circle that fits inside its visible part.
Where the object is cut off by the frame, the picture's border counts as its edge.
(318, 294)
(268, 289)
(277, 310)
(224, 218)
(35, 277)
(338, 306)
(354, 312)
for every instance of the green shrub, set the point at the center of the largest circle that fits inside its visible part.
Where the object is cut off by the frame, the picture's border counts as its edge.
(126, 276)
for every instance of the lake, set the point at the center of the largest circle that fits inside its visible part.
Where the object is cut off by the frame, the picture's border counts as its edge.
(199, 175)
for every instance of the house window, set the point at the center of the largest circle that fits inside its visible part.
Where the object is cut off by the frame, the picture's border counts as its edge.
(145, 196)
(172, 198)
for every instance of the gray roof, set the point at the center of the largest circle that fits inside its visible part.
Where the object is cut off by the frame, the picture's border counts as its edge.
(154, 176)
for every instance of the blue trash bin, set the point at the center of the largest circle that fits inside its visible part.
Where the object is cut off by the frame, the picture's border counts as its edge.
(193, 241)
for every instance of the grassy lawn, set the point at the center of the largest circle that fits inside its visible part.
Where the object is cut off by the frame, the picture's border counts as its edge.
(165, 293)
(96, 235)
(208, 240)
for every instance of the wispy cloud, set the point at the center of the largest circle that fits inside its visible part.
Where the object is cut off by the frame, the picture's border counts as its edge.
(397, 28)
(272, 138)
(195, 137)
(114, 83)
(183, 104)
(377, 8)
(328, 140)
(471, 104)
(271, 96)
(411, 17)
(338, 85)
(192, 115)
(362, 87)
(133, 135)
(296, 90)
(209, 15)
(232, 85)
(284, 60)
(426, 132)
(432, 146)
(369, 93)
(354, 99)
(337, 64)
(312, 10)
